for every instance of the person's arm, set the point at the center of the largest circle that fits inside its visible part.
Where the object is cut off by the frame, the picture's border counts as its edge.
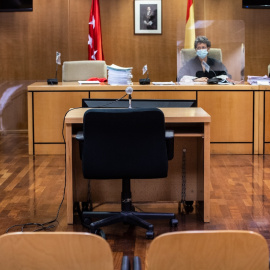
(219, 66)
(201, 79)
(185, 70)
(190, 68)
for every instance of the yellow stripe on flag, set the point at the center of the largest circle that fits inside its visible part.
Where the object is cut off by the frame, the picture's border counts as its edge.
(190, 26)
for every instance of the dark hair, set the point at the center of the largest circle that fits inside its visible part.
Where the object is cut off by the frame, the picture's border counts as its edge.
(202, 39)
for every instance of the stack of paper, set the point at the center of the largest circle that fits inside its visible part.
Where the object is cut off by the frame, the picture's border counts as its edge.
(258, 80)
(119, 75)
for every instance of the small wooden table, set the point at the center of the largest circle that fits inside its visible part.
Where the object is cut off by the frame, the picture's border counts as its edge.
(187, 123)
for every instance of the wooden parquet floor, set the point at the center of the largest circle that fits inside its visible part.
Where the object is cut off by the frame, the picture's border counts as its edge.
(31, 189)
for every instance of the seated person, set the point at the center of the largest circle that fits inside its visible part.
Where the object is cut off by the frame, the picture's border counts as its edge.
(195, 66)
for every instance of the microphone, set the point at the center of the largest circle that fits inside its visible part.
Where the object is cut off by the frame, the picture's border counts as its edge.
(129, 91)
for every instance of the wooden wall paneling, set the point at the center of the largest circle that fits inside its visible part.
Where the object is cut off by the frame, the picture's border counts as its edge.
(46, 106)
(123, 47)
(49, 34)
(78, 23)
(14, 36)
(257, 40)
(29, 40)
(256, 22)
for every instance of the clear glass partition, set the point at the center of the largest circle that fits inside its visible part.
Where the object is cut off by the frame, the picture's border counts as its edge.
(227, 35)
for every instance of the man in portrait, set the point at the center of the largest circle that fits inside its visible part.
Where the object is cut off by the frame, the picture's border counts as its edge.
(148, 17)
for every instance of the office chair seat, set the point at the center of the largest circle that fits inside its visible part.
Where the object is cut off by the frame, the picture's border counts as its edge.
(125, 144)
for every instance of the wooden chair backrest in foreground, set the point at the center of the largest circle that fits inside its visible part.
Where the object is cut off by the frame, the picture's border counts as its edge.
(189, 250)
(54, 250)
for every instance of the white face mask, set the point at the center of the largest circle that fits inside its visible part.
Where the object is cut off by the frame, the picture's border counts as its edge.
(202, 53)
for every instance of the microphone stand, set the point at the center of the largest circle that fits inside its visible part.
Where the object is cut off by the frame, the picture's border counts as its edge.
(56, 71)
(129, 91)
(129, 101)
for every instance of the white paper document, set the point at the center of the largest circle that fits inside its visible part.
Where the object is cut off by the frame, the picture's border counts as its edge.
(115, 67)
(88, 82)
(258, 80)
(163, 83)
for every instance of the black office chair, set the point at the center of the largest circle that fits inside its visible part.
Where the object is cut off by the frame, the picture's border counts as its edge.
(125, 144)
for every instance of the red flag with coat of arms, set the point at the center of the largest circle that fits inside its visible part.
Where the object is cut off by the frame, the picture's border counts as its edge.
(95, 51)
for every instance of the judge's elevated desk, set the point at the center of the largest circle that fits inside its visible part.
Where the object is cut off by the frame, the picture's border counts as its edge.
(240, 114)
(189, 171)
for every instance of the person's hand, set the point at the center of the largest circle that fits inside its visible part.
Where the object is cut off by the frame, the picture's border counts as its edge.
(202, 79)
(230, 80)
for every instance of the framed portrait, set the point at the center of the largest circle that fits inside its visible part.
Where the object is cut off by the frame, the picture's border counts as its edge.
(147, 16)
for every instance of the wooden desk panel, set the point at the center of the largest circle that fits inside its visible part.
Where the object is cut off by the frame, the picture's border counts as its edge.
(267, 123)
(232, 120)
(148, 95)
(48, 116)
(231, 112)
(198, 166)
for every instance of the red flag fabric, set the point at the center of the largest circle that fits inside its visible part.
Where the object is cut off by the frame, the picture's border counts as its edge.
(95, 51)
(190, 26)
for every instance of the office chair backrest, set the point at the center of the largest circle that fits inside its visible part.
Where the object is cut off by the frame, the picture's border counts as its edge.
(54, 250)
(124, 143)
(83, 70)
(187, 54)
(208, 250)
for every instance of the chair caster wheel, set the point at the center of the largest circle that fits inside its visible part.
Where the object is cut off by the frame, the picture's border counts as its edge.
(150, 235)
(87, 221)
(99, 232)
(173, 222)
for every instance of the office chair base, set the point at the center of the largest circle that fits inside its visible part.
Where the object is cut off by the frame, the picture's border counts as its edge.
(128, 217)
(100, 233)
(150, 235)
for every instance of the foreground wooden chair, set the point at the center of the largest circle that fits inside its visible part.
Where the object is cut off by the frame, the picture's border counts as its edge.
(55, 250)
(207, 250)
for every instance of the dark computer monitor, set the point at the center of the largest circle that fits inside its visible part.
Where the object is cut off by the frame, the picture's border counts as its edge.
(15, 5)
(262, 4)
(139, 103)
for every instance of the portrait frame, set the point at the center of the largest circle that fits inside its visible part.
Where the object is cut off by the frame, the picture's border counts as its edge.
(148, 17)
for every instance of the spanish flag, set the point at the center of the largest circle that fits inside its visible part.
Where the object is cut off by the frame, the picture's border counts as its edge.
(95, 51)
(190, 26)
